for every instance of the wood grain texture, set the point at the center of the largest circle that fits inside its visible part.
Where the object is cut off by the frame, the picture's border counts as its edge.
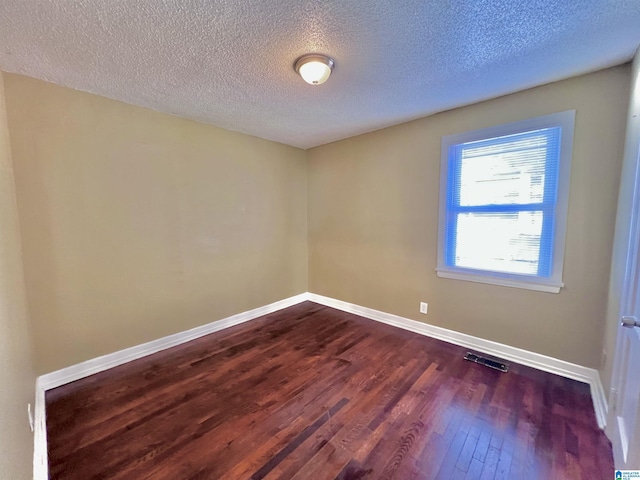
(312, 392)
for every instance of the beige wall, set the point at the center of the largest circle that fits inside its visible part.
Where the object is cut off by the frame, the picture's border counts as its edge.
(17, 377)
(136, 224)
(373, 217)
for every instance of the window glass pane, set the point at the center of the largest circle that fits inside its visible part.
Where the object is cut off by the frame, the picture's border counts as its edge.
(504, 171)
(508, 242)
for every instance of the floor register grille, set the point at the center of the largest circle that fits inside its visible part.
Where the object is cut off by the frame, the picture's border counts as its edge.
(487, 362)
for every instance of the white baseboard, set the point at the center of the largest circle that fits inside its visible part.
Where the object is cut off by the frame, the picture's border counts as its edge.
(99, 364)
(600, 402)
(105, 362)
(517, 355)
(40, 463)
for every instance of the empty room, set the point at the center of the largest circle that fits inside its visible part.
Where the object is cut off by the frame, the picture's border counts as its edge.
(319, 239)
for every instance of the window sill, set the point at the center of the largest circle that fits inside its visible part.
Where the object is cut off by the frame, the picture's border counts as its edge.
(550, 287)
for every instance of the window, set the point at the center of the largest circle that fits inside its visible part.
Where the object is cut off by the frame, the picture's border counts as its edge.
(503, 203)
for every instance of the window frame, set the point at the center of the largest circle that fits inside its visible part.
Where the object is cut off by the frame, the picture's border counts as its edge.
(553, 283)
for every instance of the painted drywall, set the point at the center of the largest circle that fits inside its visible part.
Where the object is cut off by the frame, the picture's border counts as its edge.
(136, 224)
(622, 229)
(373, 217)
(17, 376)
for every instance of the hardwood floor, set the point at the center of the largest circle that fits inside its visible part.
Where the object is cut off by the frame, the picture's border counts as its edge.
(314, 393)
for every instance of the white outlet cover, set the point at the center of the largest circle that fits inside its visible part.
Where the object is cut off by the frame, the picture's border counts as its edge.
(30, 413)
(424, 307)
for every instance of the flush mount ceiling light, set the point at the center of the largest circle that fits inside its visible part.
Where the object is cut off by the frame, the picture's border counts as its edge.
(314, 68)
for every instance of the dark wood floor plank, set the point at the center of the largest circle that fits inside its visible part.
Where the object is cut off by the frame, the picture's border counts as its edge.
(449, 462)
(298, 440)
(312, 392)
(466, 454)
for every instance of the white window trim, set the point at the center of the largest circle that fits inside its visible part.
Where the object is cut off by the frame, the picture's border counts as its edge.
(553, 284)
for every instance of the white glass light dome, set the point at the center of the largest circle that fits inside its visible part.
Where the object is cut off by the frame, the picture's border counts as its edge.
(314, 69)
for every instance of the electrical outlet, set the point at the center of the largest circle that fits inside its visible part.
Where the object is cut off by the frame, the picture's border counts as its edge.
(424, 307)
(30, 413)
(603, 358)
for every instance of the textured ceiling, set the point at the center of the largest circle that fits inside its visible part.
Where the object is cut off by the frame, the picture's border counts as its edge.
(230, 62)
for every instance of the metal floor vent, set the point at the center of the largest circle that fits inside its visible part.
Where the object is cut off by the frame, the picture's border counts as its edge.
(472, 357)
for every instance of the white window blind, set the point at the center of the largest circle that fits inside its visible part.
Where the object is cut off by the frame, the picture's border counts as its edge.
(501, 210)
